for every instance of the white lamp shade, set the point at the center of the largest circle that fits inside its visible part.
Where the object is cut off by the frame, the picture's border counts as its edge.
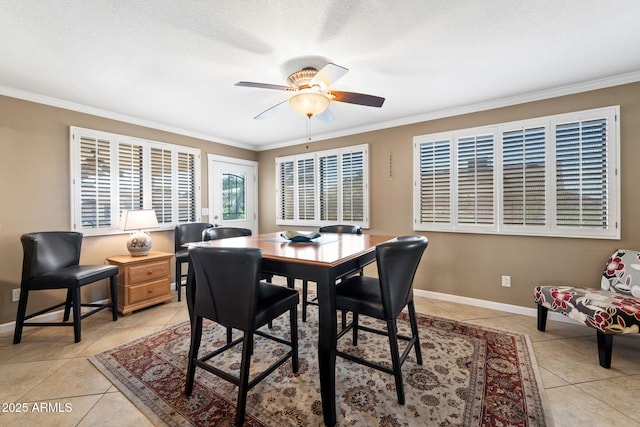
(309, 103)
(139, 242)
(138, 219)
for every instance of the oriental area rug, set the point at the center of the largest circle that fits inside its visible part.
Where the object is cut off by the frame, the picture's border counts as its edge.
(471, 376)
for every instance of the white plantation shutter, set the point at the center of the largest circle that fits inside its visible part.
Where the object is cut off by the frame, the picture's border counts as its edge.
(523, 177)
(286, 186)
(94, 183)
(582, 174)
(323, 188)
(111, 173)
(306, 189)
(130, 173)
(187, 190)
(435, 182)
(475, 180)
(161, 184)
(549, 176)
(353, 186)
(329, 188)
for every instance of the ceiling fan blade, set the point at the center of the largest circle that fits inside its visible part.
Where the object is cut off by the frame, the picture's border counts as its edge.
(269, 111)
(357, 98)
(263, 85)
(329, 74)
(325, 117)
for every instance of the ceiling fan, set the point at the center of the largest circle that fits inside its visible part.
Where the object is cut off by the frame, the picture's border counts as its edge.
(310, 95)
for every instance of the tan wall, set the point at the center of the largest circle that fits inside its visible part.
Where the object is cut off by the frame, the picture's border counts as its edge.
(35, 189)
(34, 171)
(471, 265)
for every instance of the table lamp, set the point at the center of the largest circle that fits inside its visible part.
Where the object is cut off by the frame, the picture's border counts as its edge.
(139, 242)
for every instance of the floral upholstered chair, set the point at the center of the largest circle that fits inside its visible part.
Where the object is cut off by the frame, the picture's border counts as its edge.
(612, 309)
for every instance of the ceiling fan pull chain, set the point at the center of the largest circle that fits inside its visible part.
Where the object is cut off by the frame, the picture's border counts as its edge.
(309, 127)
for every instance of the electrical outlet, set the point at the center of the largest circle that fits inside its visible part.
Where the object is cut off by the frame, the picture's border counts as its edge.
(15, 295)
(506, 281)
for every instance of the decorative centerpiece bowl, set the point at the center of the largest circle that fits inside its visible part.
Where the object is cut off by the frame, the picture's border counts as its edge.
(300, 236)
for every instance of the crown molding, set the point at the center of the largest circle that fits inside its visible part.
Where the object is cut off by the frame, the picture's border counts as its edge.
(466, 109)
(80, 108)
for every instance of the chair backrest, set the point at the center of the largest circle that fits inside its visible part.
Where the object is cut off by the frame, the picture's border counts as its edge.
(622, 273)
(189, 232)
(49, 251)
(397, 264)
(216, 233)
(227, 285)
(341, 228)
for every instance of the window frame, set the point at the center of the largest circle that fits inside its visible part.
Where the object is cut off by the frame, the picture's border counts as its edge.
(144, 181)
(423, 186)
(312, 187)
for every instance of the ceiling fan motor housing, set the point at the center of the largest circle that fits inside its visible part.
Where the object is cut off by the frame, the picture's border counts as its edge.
(302, 79)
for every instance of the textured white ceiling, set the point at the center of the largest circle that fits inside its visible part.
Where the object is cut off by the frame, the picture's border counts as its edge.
(173, 64)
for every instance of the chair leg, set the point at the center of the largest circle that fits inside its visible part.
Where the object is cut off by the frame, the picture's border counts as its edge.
(243, 386)
(414, 331)
(542, 317)
(229, 335)
(189, 291)
(22, 311)
(395, 359)
(67, 306)
(305, 287)
(293, 321)
(605, 345)
(354, 337)
(291, 284)
(76, 302)
(114, 297)
(179, 279)
(196, 336)
(269, 279)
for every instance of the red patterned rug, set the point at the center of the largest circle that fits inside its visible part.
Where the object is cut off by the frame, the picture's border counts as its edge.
(471, 376)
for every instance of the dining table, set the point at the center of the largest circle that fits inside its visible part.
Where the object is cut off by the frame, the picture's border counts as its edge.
(324, 260)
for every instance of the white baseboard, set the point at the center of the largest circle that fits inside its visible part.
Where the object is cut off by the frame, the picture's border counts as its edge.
(53, 316)
(509, 308)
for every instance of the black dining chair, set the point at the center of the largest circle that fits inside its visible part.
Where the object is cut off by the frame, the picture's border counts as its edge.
(185, 233)
(341, 228)
(229, 292)
(52, 261)
(384, 298)
(216, 233)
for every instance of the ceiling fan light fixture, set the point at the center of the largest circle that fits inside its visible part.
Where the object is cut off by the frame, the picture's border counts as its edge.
(309, 103)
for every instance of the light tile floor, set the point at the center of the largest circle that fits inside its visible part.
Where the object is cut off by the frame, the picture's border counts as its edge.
(48, 371)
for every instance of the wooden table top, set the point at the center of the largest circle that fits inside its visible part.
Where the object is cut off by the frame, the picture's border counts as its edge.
(329, 249)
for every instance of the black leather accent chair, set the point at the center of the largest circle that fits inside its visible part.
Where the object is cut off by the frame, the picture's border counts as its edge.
(384, 298)
(349, 229)
(229, 292)
(185, 233)
(51, 261)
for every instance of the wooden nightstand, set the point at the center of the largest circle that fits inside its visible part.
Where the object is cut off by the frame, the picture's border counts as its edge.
(142, 280)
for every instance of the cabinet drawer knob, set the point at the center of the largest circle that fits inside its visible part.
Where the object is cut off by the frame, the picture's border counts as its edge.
(149, 291)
